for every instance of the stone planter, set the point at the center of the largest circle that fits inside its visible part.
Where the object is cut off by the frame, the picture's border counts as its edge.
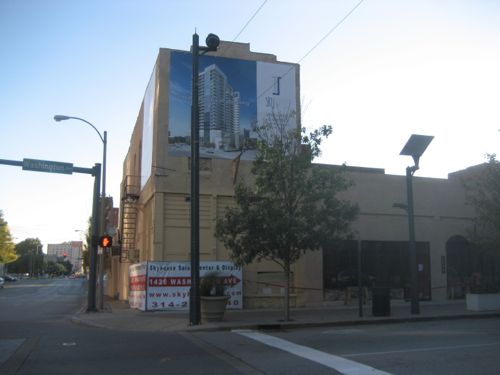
(483, 302)
(213, 308)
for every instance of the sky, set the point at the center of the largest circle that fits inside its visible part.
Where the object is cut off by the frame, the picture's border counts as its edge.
(390, 69)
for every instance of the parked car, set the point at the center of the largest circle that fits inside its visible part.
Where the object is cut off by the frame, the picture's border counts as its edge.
(9, 278)
(1, 282)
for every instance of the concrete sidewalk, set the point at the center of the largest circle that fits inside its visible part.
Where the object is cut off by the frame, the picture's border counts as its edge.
(117, 315)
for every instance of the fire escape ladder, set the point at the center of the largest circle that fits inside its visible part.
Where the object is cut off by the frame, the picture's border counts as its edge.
(129, 251)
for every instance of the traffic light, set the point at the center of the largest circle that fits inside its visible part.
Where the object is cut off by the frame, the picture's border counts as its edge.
(106, 241)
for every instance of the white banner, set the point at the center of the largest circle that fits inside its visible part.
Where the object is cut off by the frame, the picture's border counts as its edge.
(166, 285)
(137, 291)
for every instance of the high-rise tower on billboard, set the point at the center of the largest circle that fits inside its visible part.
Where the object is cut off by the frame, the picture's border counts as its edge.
(219, 110)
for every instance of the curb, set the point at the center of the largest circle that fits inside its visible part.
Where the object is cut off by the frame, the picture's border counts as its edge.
(280, 326)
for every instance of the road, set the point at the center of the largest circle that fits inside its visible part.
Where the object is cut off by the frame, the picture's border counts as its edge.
(37, 336)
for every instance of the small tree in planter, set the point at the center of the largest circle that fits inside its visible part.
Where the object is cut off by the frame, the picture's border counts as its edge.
(213, 298)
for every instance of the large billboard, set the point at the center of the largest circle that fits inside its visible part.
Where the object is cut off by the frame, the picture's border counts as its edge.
(147, 129)
(235, 98)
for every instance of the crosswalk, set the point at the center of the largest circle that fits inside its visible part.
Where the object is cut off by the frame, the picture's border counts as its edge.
(342, 365)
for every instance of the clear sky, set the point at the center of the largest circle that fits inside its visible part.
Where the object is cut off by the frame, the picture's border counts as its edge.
(392, 68)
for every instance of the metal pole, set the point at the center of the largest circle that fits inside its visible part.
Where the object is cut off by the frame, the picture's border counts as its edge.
(360, 282)
(103, 221)
(415, 309)
(91, 302)
(194, 297)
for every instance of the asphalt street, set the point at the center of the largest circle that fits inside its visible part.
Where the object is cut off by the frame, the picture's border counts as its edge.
(38, 336)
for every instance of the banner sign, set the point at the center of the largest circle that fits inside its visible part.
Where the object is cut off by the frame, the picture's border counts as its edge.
(166, 285)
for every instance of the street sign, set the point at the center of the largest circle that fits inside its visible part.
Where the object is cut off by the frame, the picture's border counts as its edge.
(47, 166)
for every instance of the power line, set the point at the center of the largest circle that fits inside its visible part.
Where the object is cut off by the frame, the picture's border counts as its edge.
(332, 30)
(250, 20)
(335, 27)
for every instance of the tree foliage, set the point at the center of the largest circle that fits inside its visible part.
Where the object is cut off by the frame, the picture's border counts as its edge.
(291, 207)
(483, 192)
(58, 268)
(86, 246)
(30, 257)
(7, 247)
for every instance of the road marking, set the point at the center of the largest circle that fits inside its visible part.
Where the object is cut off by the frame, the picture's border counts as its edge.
(451, 347)
(345, 366)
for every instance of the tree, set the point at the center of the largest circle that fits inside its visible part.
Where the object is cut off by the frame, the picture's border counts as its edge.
(483, 193)
(7, 247)
(292, 205)
(87, 246)
(56, 268)
(30, 257)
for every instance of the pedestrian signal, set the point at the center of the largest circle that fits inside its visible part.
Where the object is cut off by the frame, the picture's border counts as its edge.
(106, 241)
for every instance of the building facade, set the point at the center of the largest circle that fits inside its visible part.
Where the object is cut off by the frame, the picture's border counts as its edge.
(70, 251)
(155, 210)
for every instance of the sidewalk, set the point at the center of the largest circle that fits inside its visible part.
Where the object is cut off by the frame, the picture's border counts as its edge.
(118, 316)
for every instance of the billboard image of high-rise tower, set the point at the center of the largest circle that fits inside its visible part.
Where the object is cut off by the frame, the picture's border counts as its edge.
(235, 97)
(219, 105)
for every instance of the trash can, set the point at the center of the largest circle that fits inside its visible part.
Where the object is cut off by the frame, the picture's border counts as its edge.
(381, 301)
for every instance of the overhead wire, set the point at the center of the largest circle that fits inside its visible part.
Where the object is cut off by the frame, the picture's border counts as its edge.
(335, 27)
(250, 20)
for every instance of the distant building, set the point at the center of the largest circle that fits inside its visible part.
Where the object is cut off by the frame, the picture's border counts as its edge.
(70, 251)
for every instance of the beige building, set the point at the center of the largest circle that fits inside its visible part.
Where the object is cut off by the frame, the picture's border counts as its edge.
(71, 251)
(155, 211)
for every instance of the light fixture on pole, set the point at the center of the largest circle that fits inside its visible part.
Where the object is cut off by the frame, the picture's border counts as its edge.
(415, 147)
(92, 275)
(212, 42)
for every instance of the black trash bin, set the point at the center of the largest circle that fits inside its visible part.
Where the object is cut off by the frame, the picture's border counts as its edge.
(381, 301)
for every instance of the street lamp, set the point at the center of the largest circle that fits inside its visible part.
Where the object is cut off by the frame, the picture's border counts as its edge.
(415, 147)
(92, 271)
(212, 42)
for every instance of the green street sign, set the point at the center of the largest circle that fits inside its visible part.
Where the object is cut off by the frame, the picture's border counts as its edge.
(47, 166)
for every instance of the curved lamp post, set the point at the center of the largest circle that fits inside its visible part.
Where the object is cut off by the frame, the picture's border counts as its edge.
(415, 147)
(212, 42)
(92, 272)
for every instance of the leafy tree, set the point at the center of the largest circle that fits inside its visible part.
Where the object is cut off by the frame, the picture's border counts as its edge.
(483, 193)
(86, 246)
(292, 205)
(56, 268)
(30, 257)
(7, 247)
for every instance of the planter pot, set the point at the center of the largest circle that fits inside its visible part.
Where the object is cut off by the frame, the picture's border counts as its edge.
(213, 308)
(483, 302)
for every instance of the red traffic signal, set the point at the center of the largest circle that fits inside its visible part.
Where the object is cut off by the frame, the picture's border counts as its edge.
(106, 241)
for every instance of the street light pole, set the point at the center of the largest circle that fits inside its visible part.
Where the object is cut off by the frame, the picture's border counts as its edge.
(212, 42)
(415, 308)
(414, 147)
(194, 298)
(102, 226)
